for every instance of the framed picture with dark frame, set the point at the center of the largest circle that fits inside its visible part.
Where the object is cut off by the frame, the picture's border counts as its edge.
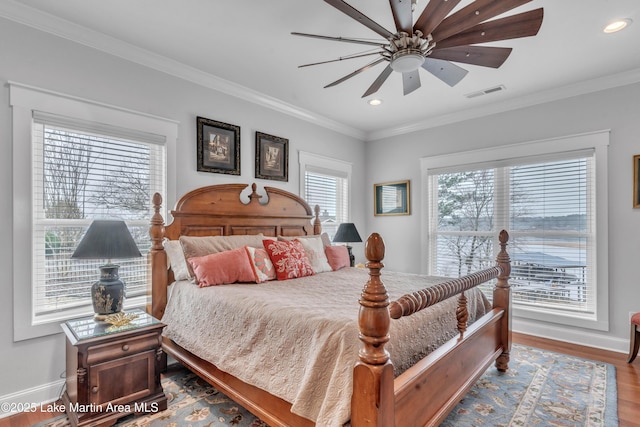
(392, 198)
(272, 157)
(218, 147)
(636, 181)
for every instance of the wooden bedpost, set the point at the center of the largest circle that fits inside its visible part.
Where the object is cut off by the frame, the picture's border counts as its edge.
(317, 224)
(158, 260)
(373, 400)
(502, 300)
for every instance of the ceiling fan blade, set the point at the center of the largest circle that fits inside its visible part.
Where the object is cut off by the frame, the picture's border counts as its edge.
(449, 73)
(377, 83)
(485, 56)
(360, 17)
(433, 14)
(475, 13)
(410, 81)
(340, 39)
(524, 24)
(356, 72)
(342, 58)
(402, 15)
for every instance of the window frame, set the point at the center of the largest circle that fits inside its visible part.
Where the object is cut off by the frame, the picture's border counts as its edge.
(24, 100)
(339, 168)
(598, 142)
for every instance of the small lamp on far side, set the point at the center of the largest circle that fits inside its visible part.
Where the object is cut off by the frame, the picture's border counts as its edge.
(347, 233)
(107, 239)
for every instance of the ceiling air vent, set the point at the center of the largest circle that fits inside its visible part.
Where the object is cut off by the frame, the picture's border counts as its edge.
(485, 91)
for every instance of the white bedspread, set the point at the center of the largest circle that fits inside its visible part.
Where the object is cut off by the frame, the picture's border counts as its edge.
(298, 339)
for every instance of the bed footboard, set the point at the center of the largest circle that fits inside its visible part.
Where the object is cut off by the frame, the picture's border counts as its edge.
(426, 392)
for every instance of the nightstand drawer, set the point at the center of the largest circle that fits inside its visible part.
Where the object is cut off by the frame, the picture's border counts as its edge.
(122, 347)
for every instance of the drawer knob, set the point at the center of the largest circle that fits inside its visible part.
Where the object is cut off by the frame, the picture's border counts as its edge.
(94, 390)
(125, 347)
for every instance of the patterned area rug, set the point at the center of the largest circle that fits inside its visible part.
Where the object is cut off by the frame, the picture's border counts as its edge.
(540, 389)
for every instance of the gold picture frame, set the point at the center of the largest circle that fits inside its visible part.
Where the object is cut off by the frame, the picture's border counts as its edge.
(636, 181)
(392, 198)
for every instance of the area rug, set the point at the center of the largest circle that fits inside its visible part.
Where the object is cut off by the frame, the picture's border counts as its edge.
(540, 389)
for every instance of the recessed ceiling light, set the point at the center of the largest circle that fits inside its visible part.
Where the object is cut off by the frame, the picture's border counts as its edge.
(617, 25)
(375, 102)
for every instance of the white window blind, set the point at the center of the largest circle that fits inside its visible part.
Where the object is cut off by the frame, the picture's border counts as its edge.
(84, 171)
(326, 183)
(548, 205)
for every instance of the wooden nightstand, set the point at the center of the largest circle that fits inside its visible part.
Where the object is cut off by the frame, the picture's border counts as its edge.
(113, 371)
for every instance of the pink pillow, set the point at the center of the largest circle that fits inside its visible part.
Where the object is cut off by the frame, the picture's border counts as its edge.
(289, 259)
(338, 257)
(223, 268)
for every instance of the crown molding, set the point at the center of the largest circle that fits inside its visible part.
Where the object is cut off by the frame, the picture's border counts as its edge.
(45, 22)
(542, 97)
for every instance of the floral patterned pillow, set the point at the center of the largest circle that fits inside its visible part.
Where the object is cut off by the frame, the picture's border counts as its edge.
(288, 258)
(262, 266)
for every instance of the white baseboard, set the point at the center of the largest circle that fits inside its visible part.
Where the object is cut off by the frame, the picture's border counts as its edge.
(573, 336)
(13, 403)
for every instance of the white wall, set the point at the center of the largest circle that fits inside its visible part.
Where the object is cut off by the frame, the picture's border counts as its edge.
(617, 109)
(32, 368)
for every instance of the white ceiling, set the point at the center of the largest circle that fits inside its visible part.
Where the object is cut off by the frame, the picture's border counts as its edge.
(245, 48)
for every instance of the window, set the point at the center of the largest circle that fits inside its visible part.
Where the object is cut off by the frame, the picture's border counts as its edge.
(81, 175)
(325, 182)
(103, 163)
(547, 202)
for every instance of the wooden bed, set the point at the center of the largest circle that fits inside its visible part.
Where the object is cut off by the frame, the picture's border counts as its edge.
(422, 395)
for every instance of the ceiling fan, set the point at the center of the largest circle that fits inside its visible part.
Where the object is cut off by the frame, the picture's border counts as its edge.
(436, 39)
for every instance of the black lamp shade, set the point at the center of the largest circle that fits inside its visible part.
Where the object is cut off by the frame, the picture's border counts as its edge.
(107, 239)
(347, 233)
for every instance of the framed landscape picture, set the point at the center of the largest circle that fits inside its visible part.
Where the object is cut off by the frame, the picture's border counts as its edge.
(392, 198)
(218, 147)
(272, 157)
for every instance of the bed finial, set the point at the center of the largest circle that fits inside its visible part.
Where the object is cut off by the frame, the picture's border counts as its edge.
(374, 370)
(317, 224)
(374, 303)
(503, 260)
(156, 231)
(254, 194)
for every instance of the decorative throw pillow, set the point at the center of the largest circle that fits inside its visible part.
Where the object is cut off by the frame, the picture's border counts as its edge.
(338, 257)
(197, 246)
(176, 259)
(262, 265)
(288, 258)
(314, 248)
(222, 268)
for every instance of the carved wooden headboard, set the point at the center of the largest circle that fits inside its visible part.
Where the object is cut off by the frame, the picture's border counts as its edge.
(218, 210)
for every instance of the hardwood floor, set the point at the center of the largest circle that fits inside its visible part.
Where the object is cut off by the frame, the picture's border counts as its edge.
(627, 375)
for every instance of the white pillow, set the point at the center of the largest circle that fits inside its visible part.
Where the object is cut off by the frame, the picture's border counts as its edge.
(176, 259)
(314, 248)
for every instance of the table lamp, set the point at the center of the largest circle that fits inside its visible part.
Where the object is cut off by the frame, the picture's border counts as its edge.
(107, 239)
(347, 233)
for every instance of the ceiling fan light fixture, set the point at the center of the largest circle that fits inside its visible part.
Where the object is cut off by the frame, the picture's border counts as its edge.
(374, 102)
(617, 25)
(405, 61)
